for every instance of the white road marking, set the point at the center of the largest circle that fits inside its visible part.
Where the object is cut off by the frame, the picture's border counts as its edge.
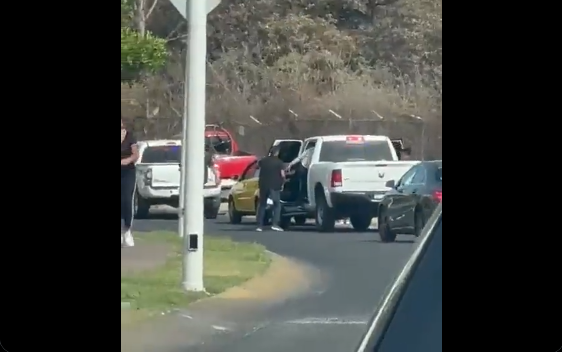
(219, 328)
(326, 321)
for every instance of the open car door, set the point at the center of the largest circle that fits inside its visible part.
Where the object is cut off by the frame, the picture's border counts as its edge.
(398, 145)
(289, 149)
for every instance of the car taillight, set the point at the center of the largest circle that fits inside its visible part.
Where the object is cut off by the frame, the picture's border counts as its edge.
(336, 179)
(437, 196)
(148, 177)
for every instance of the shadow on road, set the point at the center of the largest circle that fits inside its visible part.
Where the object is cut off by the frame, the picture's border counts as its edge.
(161, 216)
(396, 241)
(305, 229)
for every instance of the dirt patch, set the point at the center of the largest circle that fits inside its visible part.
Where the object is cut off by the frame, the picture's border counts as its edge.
(283, 278)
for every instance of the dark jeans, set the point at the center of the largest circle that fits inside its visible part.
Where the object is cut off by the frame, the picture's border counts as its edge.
(128, 184)
(274, 195)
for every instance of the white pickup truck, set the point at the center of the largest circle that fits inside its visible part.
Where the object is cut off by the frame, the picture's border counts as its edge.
(346, 176)
(158, 179)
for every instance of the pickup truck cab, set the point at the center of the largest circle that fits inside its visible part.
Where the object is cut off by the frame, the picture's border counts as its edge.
(346, 176)
(230, 161)
(158, 179)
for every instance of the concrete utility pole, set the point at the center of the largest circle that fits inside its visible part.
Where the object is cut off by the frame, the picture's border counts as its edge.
(193, 141)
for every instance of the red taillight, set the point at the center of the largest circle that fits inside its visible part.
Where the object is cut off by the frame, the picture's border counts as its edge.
(336, 180)
(437, 195)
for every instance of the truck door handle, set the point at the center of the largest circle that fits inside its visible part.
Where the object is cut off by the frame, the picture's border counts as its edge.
(414, 191)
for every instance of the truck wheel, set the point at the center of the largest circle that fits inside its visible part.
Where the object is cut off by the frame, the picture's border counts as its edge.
(211, 212)
(142, 207)
(300, 220)
(325, 219)
(233, 214)
(360, 223)
(385, 232)
(285, 222)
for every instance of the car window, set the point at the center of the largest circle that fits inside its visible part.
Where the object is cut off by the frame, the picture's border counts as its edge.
(420, 176)
(418, 313)
(310, 144)
(161, 154)
(407, 177)
(307, 158)
(249, 172)
(341, 151)
(289, 150)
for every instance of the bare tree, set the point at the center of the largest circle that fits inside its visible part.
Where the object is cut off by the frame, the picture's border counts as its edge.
(143, 9)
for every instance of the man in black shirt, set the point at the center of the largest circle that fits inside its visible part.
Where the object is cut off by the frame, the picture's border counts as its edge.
(271, 179)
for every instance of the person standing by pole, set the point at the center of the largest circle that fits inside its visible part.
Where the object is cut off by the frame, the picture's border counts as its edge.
(271, 179)
(129, 155)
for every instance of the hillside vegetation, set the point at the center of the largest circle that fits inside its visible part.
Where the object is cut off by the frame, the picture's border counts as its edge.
(359, 58)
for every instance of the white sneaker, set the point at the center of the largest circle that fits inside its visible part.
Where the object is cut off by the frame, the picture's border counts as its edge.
(127, 239)
(259, 229)
(277, 228)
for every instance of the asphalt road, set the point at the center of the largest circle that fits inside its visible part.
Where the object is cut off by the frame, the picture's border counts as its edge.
(356, 269)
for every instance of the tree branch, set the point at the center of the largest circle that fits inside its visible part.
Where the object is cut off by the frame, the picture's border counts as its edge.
(152, 7)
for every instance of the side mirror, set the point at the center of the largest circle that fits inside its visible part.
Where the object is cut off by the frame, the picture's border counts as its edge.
(390, 184)
(236, 177)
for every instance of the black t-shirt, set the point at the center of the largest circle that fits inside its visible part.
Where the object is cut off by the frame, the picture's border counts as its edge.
(127, 151)
(270, 173)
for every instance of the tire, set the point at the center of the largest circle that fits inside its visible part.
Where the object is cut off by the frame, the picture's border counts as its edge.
(211, 213)
(234, 216)
(324, 215)
(419, 222)
(141, 206)
(360, 223)
(385, 232)
(285, 222)
(300, 220)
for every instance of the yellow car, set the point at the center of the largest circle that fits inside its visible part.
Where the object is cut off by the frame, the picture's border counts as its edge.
(244, 195)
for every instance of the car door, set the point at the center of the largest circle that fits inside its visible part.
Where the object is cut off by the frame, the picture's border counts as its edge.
(413, 193)
(396, 204)
(309, 144)
(252, 187)
(240, 192)
(289, 149)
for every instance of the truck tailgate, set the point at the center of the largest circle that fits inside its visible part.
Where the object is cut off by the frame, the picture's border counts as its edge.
(372, 175)
(164, 175)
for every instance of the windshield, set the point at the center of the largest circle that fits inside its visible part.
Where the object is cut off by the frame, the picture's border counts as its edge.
(220, 144)
(339, 151)
(161, 154)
